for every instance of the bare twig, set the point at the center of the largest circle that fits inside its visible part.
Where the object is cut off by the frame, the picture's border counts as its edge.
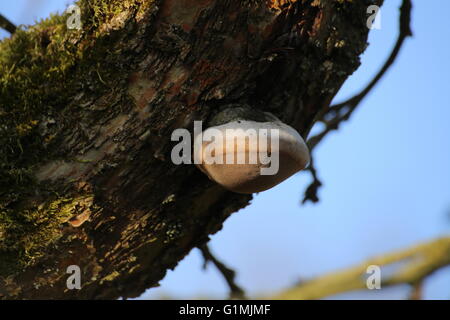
(333, 116)
(312, 190)
(7, 25)
(229, 275)
(413, 266)
(417, 291)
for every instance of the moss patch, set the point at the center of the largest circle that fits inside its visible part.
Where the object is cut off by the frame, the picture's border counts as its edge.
(25, 233)
(41, 69)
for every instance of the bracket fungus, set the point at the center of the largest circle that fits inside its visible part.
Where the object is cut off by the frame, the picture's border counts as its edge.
(247, 151)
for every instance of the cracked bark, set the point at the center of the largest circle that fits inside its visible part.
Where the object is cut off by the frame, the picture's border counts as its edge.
(133, 214)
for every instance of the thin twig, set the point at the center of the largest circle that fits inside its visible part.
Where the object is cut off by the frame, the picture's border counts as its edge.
(312, 190)
(417, 291)
(7, 25)
(333, 116)
(235, 291)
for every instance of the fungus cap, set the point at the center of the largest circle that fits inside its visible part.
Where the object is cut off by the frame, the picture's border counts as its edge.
(273, 151)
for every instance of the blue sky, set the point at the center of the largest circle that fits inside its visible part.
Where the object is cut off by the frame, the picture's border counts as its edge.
(386, 174)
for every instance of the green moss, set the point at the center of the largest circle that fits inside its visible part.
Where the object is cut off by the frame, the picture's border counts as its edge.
(25, 233)
(41, 69)
(98, 12)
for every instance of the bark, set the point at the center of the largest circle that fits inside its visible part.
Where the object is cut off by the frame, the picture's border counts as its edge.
(86, 123)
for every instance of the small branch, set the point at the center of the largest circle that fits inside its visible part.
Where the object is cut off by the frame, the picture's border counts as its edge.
(414, 265)
(312, 190)
(417, 291)
(7, 25)
(235, 291)
(333, 116)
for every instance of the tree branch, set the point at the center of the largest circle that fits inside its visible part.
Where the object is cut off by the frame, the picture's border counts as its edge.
(312, 190)
(416, 291)
(86, 170)
(229, 274)
(415, 264)
(333, 116)
(7, 25)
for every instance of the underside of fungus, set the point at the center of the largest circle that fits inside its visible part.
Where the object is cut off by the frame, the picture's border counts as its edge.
(247, 155)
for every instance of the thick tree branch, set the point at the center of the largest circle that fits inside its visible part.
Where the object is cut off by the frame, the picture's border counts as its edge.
(86, 118)
(412, 267)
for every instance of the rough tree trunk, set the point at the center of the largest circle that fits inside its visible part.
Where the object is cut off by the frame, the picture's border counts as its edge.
(87, 117)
